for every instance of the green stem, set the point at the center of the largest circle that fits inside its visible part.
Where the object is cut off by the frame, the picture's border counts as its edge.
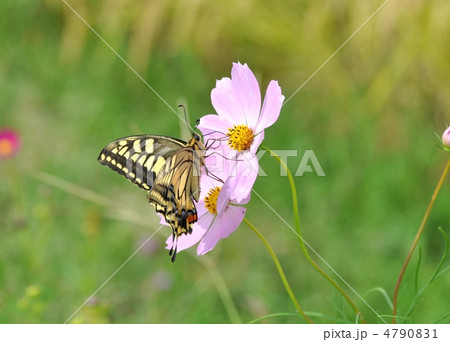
(300, 238)
(222, 290)
(416, 239)
(280, 271)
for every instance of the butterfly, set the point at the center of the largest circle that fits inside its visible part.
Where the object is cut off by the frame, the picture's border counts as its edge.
(168, 168)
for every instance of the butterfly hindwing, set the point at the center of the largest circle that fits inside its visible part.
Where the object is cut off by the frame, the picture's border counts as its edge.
(176, 187)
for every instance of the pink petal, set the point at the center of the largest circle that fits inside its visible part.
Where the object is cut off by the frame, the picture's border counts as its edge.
(242, 179)
(232, 220)
(207, 182)
(257, 140)
(212, 123)
(446, 137)
(217, 163)
(198, 231)
(223, 198)
(222, 227)
(247, 90)
(162, 220)
(273, 102)
(226, 102)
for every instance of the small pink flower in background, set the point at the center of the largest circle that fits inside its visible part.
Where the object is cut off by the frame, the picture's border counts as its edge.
(162, 280)
(446, 138)
(240, 116)
(9, 143)
(148, 247)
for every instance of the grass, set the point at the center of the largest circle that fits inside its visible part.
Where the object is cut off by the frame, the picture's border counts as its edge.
(369, 116)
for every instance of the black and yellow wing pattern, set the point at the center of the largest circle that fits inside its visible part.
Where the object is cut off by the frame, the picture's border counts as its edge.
(168, 168)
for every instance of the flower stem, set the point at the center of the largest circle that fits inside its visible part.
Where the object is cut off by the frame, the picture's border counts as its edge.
(416, 240)
(280, 271)
(300, 238)
(222, 290)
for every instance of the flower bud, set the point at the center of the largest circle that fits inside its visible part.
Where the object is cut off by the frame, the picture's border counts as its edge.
(446, 138)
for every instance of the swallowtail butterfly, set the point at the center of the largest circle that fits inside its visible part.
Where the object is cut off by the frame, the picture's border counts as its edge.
(168, 168)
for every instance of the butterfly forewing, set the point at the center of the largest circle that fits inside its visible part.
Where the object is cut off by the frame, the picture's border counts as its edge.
(139, 158)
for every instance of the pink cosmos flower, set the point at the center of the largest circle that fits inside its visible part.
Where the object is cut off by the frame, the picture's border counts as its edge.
(236, 133)
(240, 116)
(241, 120)
(9, 143)
(218, 209)
(446, 138)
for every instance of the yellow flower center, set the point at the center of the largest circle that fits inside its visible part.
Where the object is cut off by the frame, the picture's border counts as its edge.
(211, 200)
(240, 137)
(6, 147)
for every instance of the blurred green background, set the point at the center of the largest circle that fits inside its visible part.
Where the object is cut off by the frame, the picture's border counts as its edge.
(66, 223)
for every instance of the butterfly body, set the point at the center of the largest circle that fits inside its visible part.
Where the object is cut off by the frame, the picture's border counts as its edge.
(168, 168)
